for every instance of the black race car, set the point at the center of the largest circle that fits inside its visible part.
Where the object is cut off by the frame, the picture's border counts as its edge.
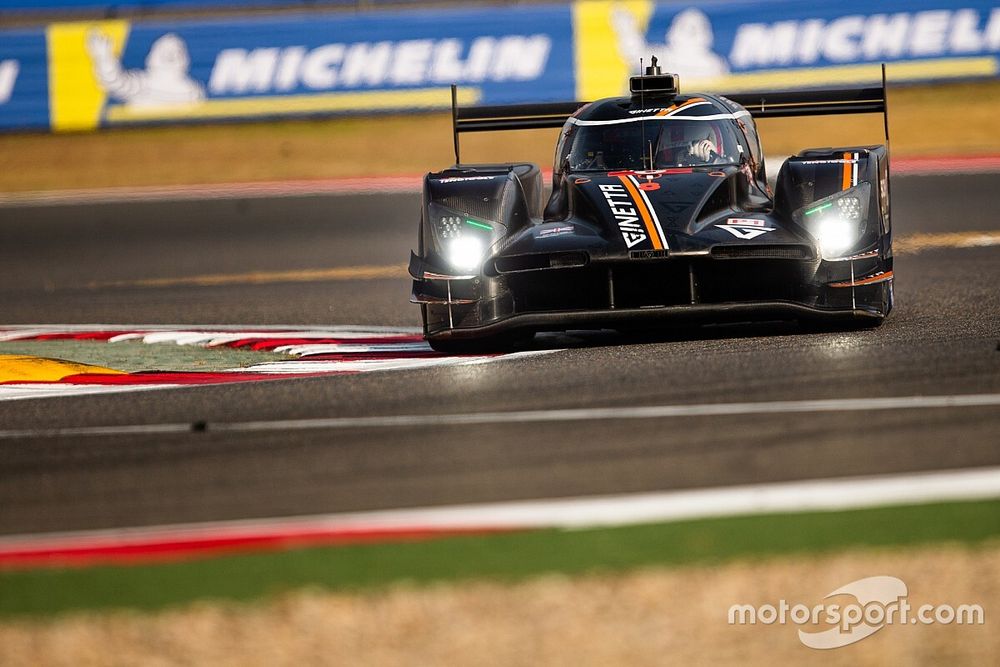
(660, 211)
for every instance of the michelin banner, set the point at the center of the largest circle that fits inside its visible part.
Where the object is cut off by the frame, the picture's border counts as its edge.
(24, 92)
(109, 73)
(87, 75)
(741, 46)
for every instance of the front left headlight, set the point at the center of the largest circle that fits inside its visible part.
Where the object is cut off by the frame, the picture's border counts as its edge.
(465, 253)
(461, 240)
(837, 222)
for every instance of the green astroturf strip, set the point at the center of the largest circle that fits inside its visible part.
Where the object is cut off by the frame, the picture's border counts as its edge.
(504, 557)
(132, 356)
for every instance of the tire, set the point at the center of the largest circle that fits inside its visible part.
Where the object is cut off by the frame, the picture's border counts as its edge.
(815, 326)
(504, 342)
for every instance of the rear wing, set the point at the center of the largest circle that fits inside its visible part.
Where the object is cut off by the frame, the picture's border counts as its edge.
(779, 104)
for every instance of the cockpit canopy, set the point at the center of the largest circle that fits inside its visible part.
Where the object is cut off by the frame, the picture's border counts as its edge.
(649, 143)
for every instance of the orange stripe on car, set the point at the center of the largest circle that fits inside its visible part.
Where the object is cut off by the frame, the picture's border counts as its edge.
(847, 172)
(877, 278)
(640, 206)
(675, 107)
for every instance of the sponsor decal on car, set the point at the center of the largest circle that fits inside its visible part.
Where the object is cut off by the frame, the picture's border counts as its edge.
(624, 211)
(746, 228)
(645, 111)
(555, 231)
(649, 254)
(649, 174)
(462, 179)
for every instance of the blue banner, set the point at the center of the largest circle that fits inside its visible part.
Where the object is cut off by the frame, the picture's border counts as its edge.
(113, 72)
(87, 75)
(24, 99)
(109, 7)
(739, 45)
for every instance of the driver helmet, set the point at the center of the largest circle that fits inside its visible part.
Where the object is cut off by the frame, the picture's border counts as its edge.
(678, 142)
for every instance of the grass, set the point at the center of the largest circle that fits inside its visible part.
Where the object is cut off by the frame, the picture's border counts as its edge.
(414, 144)
(501, 557)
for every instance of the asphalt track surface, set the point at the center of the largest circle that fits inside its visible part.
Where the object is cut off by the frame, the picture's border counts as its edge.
(941, 339)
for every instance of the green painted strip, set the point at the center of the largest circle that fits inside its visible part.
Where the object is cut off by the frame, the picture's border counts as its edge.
(478, 224)
(504, 557)
(820, 208)
(133, 356)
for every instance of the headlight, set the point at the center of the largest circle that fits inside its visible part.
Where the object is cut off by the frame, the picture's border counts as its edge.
(837, 222)
(465, 252)
(849, 208)
(835, 235)
(461, 240)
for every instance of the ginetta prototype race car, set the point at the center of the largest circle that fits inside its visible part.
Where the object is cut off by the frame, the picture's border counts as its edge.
(660, 212)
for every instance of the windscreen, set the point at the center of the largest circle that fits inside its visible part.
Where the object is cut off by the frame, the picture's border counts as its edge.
(651, 144)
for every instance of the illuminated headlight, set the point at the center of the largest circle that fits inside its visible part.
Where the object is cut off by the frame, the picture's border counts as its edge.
(835, 235)
(837, 222)
(465, 252)
(462, 241)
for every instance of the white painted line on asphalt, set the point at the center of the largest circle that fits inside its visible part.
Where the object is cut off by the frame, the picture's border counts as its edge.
(834, 494)
(370, 365)
(539, 416)
(13, 331)
(16, 392)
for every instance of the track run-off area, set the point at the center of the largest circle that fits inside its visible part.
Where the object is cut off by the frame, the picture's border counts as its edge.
(572, 416)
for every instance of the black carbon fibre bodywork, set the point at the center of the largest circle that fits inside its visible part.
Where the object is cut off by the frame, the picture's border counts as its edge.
(614, 249)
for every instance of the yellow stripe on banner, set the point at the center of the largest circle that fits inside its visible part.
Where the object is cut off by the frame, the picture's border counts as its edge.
(292, 104)
(601, 70)
(944, 68)
(23, 368)
(75, 97)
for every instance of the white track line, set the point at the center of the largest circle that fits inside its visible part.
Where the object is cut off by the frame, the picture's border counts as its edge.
(570, 513)
(538, 416)
(263, 329)
(16, 392)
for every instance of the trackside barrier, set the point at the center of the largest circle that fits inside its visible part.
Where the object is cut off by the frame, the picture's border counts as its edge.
(90, 75)
(112, 8)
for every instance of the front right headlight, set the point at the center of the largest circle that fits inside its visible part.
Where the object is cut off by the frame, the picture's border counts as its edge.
(837, 222)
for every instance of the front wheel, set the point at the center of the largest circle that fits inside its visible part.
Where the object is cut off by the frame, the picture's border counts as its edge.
(505, 342)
